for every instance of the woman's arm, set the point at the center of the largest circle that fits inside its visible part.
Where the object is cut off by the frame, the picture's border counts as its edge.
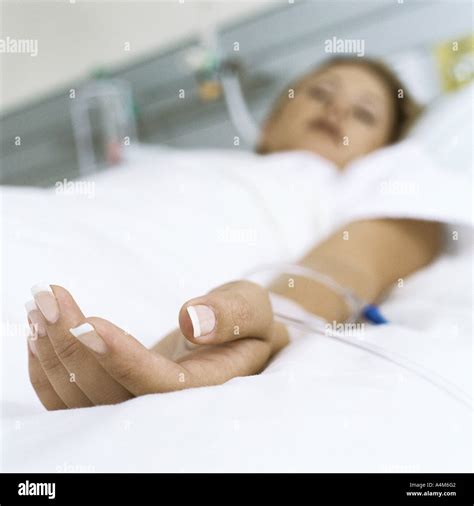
(366, 257)
(107, 365)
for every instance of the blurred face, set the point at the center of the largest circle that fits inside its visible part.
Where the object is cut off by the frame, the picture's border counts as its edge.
(340, 113)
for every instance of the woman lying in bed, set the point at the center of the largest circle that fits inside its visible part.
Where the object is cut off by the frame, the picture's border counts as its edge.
(342, 111)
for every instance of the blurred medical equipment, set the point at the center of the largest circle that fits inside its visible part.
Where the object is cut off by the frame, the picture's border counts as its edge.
(219, 75)
(237, 107)
(218, 78)
(303, 320)
(103, 123)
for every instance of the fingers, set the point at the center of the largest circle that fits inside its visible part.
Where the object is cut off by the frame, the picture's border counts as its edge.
(60, 312)
(40, 382)
(280, 337)
(82, 366)
(216, 364)
(53, 368)
(144, 372)
(231, 311)
(136, 368)
(76, 361)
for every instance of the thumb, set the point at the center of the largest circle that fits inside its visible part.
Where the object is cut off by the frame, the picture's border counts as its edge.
(136, 368)
(231, 311)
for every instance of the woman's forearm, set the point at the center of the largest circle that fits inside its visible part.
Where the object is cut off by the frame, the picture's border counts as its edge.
(366, 257)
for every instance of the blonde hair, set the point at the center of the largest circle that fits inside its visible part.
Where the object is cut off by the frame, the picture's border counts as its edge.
(406, 109)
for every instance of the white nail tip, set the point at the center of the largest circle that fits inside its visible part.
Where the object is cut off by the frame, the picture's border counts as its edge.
(81, 329)
(194, 320)
(40, 287)
(31, 306)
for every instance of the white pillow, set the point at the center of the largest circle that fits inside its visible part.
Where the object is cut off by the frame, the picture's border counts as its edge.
(445, 130)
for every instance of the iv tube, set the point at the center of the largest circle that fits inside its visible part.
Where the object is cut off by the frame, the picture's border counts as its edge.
(315, 324)
(428, 375)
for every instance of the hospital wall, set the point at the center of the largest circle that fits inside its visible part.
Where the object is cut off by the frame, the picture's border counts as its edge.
(107, 33)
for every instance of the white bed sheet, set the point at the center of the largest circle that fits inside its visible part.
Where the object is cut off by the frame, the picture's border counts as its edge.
(319, 406)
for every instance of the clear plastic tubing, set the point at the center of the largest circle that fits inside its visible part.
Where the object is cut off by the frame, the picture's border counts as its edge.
(315, 324)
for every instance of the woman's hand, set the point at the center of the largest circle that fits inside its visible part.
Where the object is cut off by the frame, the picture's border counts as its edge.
(76, 361)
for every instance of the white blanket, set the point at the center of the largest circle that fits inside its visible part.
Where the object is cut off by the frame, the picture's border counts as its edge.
(168, 226)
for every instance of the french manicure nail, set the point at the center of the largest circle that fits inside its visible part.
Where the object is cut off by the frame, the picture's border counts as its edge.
(46, 301)
(32, 346)
(203, 319)
(30, 306)
(88, 336)
(37, 326)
